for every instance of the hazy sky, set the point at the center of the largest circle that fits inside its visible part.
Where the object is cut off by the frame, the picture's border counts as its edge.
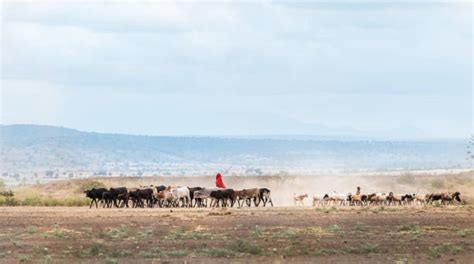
(393, 69)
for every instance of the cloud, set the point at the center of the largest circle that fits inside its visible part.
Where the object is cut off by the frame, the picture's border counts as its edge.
(342, 55)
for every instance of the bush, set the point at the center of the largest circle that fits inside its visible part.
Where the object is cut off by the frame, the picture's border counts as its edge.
(38, 200)
(87, 185)
(49, 201)
(8, 201)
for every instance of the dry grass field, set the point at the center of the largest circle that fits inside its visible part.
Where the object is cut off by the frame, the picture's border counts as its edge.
(374, 234)
(283, 187)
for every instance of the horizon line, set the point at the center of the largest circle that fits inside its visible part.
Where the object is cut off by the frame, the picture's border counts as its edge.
(256, 136)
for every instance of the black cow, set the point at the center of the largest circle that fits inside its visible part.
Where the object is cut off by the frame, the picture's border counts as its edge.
(135, 197)
(107, 199)
(191, 193)
(265, 196)
(160, 188)
(139, 195)
(223, 196)
(115, 192)
(123, 199)
(95, 195)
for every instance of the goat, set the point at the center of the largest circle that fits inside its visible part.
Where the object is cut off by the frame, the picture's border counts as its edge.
(299, 199)
(320, 200)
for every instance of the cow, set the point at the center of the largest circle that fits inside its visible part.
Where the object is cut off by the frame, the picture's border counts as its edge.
(165, 198)
(95, 194)
(181, 194)
(191, 193)
(247, 195)
(107, 199)
(114, 192)
(265, 196)
(222, 195)
(202, 196)
(144, 195)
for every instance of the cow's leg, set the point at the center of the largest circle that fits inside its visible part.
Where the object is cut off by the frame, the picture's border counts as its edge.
(256, 201)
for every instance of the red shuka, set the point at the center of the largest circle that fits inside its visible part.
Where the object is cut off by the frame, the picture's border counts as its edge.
(219, 182)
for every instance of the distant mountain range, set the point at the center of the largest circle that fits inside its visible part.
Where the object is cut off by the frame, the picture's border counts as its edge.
(33, 148)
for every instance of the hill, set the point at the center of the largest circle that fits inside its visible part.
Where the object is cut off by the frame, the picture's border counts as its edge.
(46, 151)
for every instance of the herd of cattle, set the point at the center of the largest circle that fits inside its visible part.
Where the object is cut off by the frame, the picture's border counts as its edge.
(341, 199)
(168, 196)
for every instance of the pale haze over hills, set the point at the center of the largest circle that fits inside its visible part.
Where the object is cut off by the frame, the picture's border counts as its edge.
(42, 152)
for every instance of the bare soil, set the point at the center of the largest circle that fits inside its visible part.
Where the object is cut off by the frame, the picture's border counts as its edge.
(276, 235)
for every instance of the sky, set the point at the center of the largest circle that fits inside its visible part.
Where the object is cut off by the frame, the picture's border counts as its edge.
(386, 69)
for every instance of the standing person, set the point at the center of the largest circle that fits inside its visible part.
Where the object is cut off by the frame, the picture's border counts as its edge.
(358, 190)
(219, 182)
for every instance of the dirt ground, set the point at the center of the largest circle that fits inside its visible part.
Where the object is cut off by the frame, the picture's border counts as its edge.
(276, 235)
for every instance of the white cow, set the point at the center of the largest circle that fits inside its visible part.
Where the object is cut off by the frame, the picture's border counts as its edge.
(181, 194)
